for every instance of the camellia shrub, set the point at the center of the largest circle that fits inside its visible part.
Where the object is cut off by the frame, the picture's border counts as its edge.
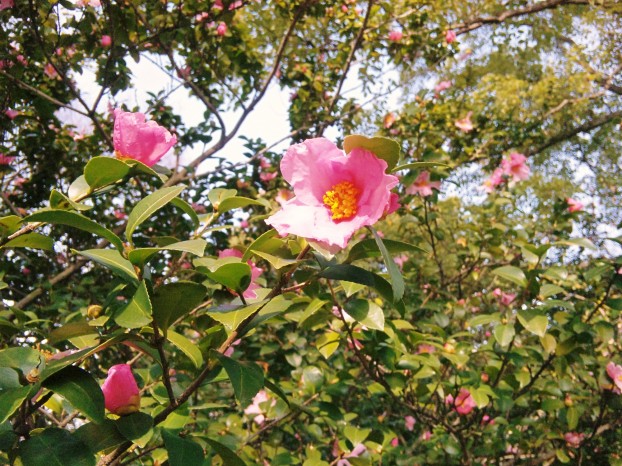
(428, 284)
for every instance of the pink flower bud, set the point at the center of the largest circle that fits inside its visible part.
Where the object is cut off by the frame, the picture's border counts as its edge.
(106, 41)
(11, 114)
(4, 4)
(121, 392)
(138, 139)
(221, 30)
(450, 36)
(395, 36)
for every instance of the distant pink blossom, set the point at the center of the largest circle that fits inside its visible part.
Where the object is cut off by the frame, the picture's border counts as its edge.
(495, 180)
(11, 114)
(574, 205)
(409, 422)
(395, 442)
(425, 348)
(465, 124)
(516, 167)
(93, 3)
(395, 35)
(4, 4)
(427, 435)
(344, 8)
(200, 17)
(6, 159)
(423, 186)
(26, 271)
(442, 86)
(229, 351)
(121, 392)
(259, 407)
(244, 224)
(138, 139)
(235, 5)
(574, 439)
(450, 36)
(464, 402)
(249, 293)
(401, 260)
(21, 59)
(105, 41)
(267, 176)
(615, 372)
(218, 5)
(221, 30)
(50, 71)
(507, 298)
(335, 194)
(119, 214)
(264, 163)
(357, 451)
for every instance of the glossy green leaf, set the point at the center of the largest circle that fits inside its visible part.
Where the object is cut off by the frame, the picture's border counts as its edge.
(275, 261)
(327, 343)
(80, 389)
(548, 289)
(187, 209)
(217, 195)
(314, 306)
(138, 311)
(235, 202)
(135, 425)
(182, 451)
(366, 313)
(581, 242)
(384, 148)
(102, 171)
(246, 378)
(140, 256)
(533, 321)
(352, 273)
(232, 318)
(397, 281)
(79, 189)
(31, 240)
(418, 165)
(22, 358)
(369, 248)
(10, 400)
(189, 348)
(227, 455)
(513, 274)
(504, 334)
(72, 219)
(59, 201)
(11, 223)
(55, 447)
(100, 437)
(258, 243)
(174, 300)
(112, 260)
(148, 206)
(71, 330)
(228, 271)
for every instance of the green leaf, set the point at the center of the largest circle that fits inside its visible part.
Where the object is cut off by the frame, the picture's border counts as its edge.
(418, 165)
(548, 289)
(232, 318)
(79, 189)
(113, 260)
(182, 451)
(11, 223)
(484, 319)
(352, 273)
(100, 437)
(397, 281)
(187, 209)
(572, 418)
(22, 358)
(311, 309)
(189, 348)
(504, 334)
(513, 274)
(140, 256)
(72, 219)
(80, 389)
(135, 425)
(235, 202)
(55, 447)
(246, 378)
(59, 201)
(369, 248)
(174, 300)
(582, 242)
(148, 206)
(228, 271)
(217, 195)
(258, 243)
(32, 241)
(533, 321)
(10, 401)
(228, 457)
(367, 313)
(327, 343)
(102, 171)
(138, 311)
(384, 148)
(71, 330)
(276, 261)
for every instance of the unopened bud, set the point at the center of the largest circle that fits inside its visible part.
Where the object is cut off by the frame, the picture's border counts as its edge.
(33, 375)
(94, 311)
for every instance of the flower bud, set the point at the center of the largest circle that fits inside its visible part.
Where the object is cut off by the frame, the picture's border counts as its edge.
(94, 311)
(121, 392)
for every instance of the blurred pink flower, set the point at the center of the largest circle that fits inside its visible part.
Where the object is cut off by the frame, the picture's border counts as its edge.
(400, 260)
(335, 194)
(393, 205)
(409, 422)
(255, 407)
(200, 17)
(218, 5)
(243, 224)
(119, 214)
(105, 41)
(450, 36)
(283, 195)
(395, 36)
(507, 298)
(574, 205)
(442, 86)
(26, 271)
(574, 439)
(249, 293)
(22, 60)
(93, 3)
(464, 402)
(267, 176)
(221, 30)
(138, 139)
(495, 180)
(427, 435)
(50, 71)
(229, 351)
(344, 8)
(465, 124)
(615, 372)
(235, 5)
(121, 392)
(423, 186)
(4, 4)
(357, 451)
(395, 442)
(264, 163)
(516, 167)
(6, 159)
(425, 348)
(11, 114)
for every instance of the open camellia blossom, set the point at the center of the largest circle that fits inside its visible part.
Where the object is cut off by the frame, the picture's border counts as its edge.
(249, 293)
(138, 139)
(516, 167)
(464, 402)
(423, 186)
(121, 394)
(335, 194)
(574, 205)
(615, 372)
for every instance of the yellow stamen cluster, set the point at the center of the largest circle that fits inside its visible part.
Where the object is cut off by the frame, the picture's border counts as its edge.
(342, 199)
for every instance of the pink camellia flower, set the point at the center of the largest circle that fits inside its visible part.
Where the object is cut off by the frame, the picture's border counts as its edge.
(267, 176)
(574, 439)
(495, 180)
(395, 442)
(50, 71)
(357, 451)
(11, 114)
(425, 348)
(105, 41)
(442, 86)
(410, 421)
(221, 30)
(244, 224)
(464, 402)
(200, 17)
(138, 139)
(256, 407)
(393, 205)
(423, 186)
(507, 298)
(516, 167)
(235, 5)
(218, 5)
(335, 194)
(450, 36)
(249, 293)
(574, 205)
(395, 36)
(427, 435)
(21, 60)
(465, 124)
(121, 392)
(400, 260)
(283, 195)
(4, 4)
(6, 159)
(615, 372)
